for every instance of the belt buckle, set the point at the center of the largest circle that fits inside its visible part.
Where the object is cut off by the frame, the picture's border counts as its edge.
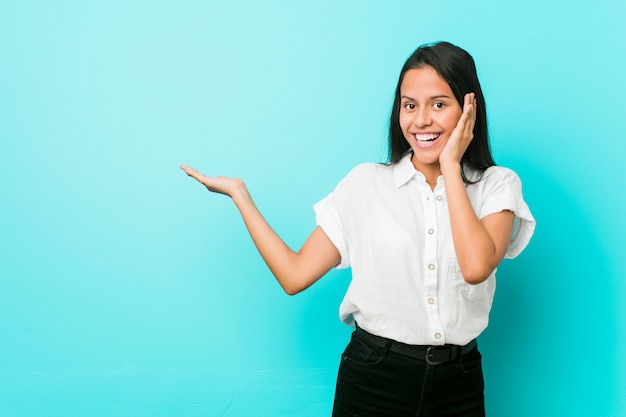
(428, 357)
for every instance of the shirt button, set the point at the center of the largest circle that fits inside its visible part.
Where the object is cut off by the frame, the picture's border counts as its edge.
(431, 266)
(437, 336)
(431, 231)
(431, 301)
(439, 198)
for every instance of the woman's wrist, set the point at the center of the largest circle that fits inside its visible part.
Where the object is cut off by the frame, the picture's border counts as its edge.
(450, 169)
(240, 194)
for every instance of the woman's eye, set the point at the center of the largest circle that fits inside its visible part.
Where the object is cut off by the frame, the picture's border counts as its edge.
(439, 105)
(409, 106)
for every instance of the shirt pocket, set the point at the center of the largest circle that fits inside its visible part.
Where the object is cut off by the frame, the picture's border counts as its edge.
(470, 292)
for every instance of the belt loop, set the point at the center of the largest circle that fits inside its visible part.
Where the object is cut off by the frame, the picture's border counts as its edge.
(388, 344)
(457, 353)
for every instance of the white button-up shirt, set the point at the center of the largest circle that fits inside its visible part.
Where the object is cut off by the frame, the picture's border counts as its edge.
(394, 231)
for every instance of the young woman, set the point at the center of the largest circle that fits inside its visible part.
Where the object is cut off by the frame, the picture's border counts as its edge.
(423, 235)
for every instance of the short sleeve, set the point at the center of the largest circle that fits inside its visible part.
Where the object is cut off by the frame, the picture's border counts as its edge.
(503, 191)
(328, 217)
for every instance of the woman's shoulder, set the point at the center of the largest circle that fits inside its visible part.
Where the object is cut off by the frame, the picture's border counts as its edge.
(367, 170)
(495, 173)
(496, 179)
(366, 177)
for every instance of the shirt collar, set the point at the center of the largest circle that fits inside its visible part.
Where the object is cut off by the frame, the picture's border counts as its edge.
(403, 170)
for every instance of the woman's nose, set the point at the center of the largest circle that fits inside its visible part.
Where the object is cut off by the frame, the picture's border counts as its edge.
(422, 117)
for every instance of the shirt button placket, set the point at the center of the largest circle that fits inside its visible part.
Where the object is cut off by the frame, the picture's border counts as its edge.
(431, 239)
(438, 335)
(430, 265)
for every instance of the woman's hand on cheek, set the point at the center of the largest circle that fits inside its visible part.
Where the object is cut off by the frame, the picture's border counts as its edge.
(462, 134)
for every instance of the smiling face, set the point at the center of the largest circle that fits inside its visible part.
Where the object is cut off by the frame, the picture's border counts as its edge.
(429, 112)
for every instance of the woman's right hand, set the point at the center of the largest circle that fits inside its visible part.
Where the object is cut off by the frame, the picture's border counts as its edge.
(231, 187)
(295, 271)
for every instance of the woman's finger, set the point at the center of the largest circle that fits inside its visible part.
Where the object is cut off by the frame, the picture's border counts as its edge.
(197, 175)
(471, 116)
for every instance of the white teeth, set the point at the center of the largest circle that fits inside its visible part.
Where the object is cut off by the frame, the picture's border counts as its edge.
(427, 137)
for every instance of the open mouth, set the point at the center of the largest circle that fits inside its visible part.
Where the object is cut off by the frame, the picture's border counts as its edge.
(427, 138)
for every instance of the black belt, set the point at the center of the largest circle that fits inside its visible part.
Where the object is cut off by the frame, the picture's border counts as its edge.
(433, 355)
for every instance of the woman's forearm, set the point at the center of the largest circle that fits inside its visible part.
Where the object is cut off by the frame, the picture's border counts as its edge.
(479, 245)
(294, 271)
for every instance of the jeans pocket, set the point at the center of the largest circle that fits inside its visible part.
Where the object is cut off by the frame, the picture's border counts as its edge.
(361, 353)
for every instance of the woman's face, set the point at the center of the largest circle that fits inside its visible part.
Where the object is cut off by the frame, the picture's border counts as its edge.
(429, 113)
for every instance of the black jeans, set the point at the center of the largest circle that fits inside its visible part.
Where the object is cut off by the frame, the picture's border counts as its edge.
(374, 383)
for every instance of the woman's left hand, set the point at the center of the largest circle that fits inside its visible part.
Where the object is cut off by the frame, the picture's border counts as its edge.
(462, 134)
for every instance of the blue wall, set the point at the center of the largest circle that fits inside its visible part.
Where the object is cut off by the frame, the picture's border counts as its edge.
(128, 290)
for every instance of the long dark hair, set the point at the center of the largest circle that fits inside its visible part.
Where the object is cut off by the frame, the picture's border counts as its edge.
(457, 68)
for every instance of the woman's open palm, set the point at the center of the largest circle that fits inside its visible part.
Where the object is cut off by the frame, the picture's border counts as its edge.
(221, 184)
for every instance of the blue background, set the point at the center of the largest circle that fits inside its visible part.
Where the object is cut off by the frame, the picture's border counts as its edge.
(126, 289)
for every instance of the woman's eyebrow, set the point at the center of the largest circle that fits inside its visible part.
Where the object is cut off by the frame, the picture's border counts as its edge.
(431, 98)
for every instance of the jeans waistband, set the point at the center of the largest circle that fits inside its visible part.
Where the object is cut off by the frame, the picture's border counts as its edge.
(433, 355)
